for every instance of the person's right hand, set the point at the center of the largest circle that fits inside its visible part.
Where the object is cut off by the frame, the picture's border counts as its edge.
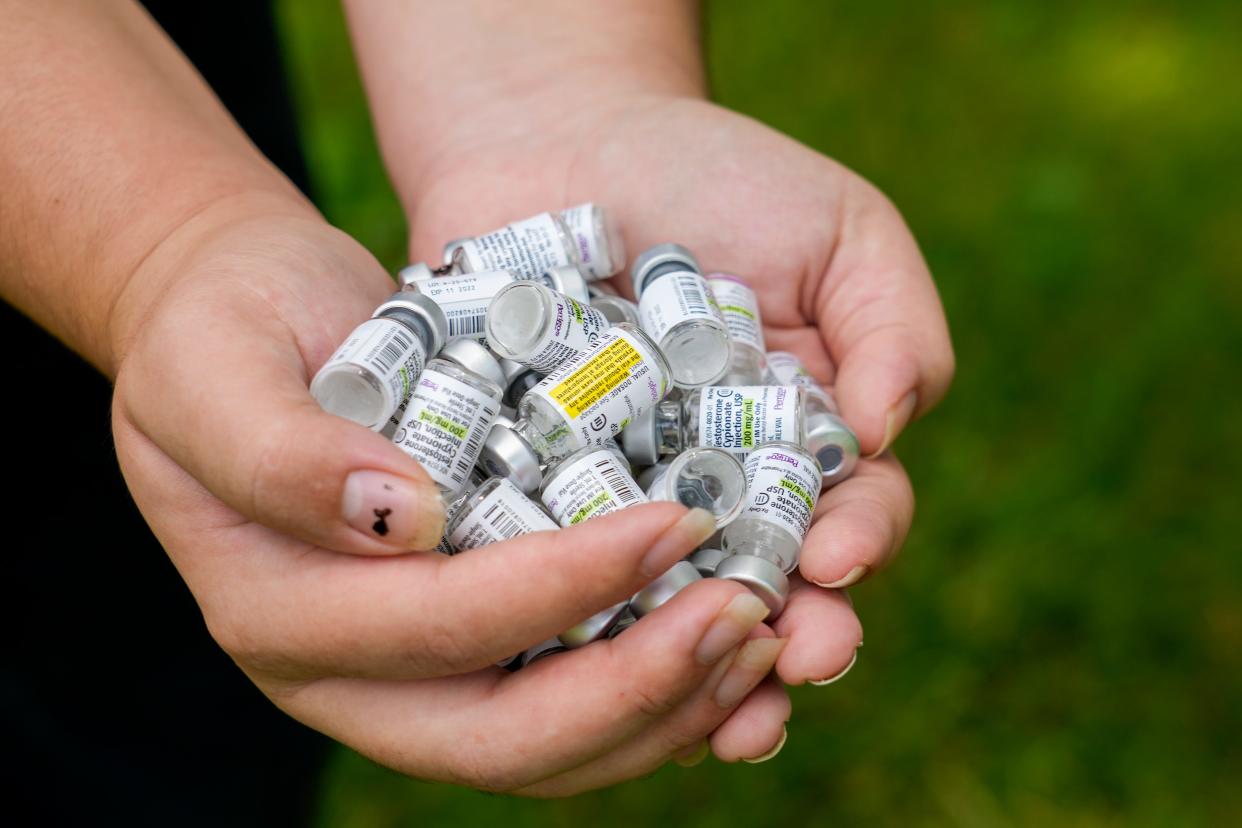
(266, 505)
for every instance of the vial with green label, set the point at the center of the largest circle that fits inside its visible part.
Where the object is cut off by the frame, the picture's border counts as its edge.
(527, 247)
(740, 308)
(495, 511)
(591, 482)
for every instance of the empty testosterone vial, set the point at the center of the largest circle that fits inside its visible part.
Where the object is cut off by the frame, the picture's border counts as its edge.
(595, 395)
(657, 593)
(465, 298)
(464, 353)
(678, 311)
(508, 452)
(591, 482)
(531, 324)
(600, 249)
(828, 436)
(763, 543)
(527, 247)
(740, 309)
(495, 511)
(375, 369)
(733, 418)
(446, 421)
(705, 478)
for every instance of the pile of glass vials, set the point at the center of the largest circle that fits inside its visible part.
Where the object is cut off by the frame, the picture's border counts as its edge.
(537, 397)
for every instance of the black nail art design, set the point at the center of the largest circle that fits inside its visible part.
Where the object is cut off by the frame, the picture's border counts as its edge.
(381, 525)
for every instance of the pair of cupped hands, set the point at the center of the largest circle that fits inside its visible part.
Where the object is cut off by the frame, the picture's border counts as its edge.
(265, 503)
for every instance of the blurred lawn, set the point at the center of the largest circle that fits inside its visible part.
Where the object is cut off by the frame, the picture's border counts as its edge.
(1062, 641)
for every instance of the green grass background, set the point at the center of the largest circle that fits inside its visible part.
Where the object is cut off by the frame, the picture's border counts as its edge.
(1061, 642)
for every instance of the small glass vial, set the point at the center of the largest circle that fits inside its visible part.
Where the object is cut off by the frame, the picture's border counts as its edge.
(733, 418)
(740, 308)
(764, 542)
(465, 298)
(529, 323)
(375, 369)
(495, 511)
(527, 248)
(600, 248)
(595, 395)
(447, 419)
(616, 309)
(678, 311)
(828, 436)
(658, 593)
(566, 279)
(704, 478)
(589, 483)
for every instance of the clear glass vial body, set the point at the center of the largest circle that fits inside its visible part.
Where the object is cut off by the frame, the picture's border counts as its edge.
(678, 311)
(595, 395)
(599, 245)
(495, 511)
(465, 298)
(828, 436)
(374, 370)
(446, 420)
(527, 247)
(783, 483)
(533, 325)
(740, 308)
(703, 478)
(591, 482)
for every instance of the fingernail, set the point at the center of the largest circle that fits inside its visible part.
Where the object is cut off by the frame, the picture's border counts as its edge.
(678, 540)
(775, 750)
(693, 756)
(840, 675)
(897, 418)
(393, 510)
(852, 577)
(732, 624)
(753, 662)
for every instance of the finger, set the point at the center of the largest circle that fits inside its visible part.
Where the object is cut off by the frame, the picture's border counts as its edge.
(883, 324)
(757, 730)
(509, 731)
(219, 381)
(824, 635)
(860, 524)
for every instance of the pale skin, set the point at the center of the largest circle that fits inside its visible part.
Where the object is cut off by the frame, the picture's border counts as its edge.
(142, 228)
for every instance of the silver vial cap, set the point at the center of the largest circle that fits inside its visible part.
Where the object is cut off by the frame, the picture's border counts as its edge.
(568, 279)
(834, 444)
(763, 577)
(410, 274)
(426, 309)
(543, 648)
(653, 596)
(506, 454)
(661, 254)
(510, 369)
(640, 440)
(472, 356)
(594, 628)
(451, 248)
(706, 560)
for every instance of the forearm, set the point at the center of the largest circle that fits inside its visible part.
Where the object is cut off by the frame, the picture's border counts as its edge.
(442, 72)
(110, 144)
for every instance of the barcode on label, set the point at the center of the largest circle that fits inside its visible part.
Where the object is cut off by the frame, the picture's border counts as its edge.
(503, 524)
(617, 481)
(692, 293)
(465, 323)
(469, 454)
(393, 350)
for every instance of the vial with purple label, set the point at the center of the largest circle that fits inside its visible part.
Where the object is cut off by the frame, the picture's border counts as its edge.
(527, 247)
(764, 542)
(374, 370)
(828, 436)
(703, 478)
(678, 311)
(533, 325)
(600, 249)
(740, 308)
(495, 511)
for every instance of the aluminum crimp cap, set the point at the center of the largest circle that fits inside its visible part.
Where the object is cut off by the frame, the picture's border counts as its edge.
(706, 560)
(472, 356)
(425, 308)
(594, 628)
(661, 254)
(834, 445)
(568, 279)
(410, 274)
(506, 454)
(653, 596)
(763, 577)
(543, 648)
(640, 440)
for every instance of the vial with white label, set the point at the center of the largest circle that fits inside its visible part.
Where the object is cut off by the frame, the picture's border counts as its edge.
(465, 299)
(464, 353)
(527, 247)
(495, 511)
(447, 418)
(764, 542)
(600, 249)
(740, 308)
(595, 395)
(660, 591)
(733, 418)
(678, 311)
(589, 483)
(374, 371)
(703, 478)
(540, 328)
(420, 271)
(828, 436)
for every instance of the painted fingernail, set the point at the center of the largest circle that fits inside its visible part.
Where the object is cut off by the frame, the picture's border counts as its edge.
(775, 750)
(897, 419)
(840, 675)
(693, 756)
(753, 662)
(678, 540)
(393, 510)
(852, 577)
(732, 624)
